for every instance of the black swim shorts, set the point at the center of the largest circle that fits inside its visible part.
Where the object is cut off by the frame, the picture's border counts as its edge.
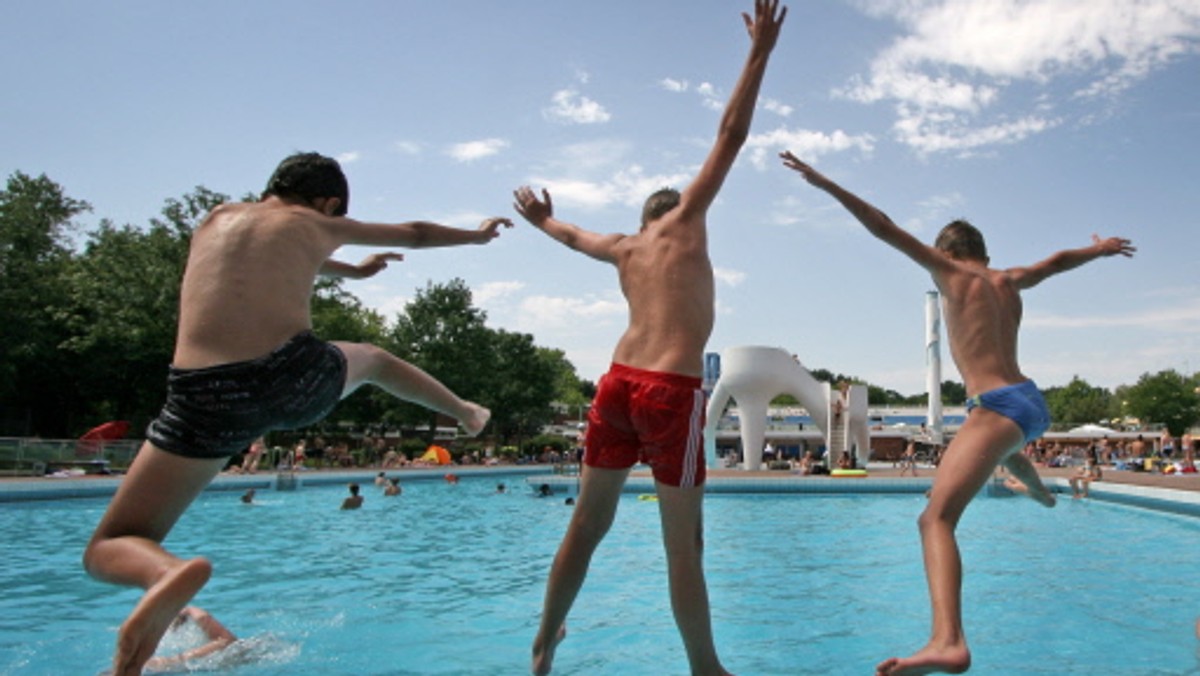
(217, 411)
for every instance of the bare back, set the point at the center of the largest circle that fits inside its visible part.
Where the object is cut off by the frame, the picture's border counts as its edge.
(249, 280)
(667, 279)
(983, 314)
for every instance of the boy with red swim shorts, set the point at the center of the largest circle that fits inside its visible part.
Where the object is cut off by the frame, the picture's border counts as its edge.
(650, 417)
(650, 406)
(983, 314)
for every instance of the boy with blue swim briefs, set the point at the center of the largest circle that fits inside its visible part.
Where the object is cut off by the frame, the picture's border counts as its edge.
(246, 362)
(983, 314)
(649, 406)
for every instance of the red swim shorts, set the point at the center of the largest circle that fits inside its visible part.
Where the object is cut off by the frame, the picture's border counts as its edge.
(652, 417)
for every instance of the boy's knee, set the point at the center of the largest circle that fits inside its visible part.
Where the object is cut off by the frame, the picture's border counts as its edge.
(931, 518)
(91, 556)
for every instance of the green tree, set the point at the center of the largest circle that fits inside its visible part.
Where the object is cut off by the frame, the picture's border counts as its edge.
(339, 315)
(441, 332)
(1078, 402)
(1166, 397)
(123, 308)
(522, 384)
(35, 219)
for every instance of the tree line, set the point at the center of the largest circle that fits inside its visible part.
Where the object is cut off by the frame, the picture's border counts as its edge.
(87, 331)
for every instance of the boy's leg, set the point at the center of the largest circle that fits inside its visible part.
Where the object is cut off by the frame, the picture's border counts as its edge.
(599, 491)
(1021, 467)
(125, 548)
(681, 510)
(367, 363)
(979, 446)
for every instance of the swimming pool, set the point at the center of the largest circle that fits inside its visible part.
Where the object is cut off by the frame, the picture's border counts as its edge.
(448, 579)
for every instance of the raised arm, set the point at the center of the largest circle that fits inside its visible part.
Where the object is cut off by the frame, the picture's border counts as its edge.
(735, 122)
(414, 234)
(1068, 259)
(876, 222)
(370, 266)
(540, 214)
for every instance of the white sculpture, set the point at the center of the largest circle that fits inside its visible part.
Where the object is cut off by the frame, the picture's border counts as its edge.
(754, 375)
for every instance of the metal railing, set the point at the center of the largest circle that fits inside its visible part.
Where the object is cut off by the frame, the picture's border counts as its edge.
(23, 456)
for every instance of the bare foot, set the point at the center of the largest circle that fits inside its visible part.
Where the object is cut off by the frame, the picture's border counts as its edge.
(140, 633)
(928, 660)
(1042, 495)
(475, 418)
(543, 657)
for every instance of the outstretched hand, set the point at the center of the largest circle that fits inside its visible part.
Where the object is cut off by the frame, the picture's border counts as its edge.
(811, 175)
(533, 210)
(377, 262)
(764, 27)
(1114, 246)
(491, 226)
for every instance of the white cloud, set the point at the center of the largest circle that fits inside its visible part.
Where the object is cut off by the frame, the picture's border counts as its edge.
(673, 85)
(729, 277)
(934, 209)
(629, 186)
(777, 107)
(571, 107)
(957, 59)
(1183, 317)
(407, 147)
(563, 312)
(348, 157)
(490, 291)
(806, 144)
(474, 150)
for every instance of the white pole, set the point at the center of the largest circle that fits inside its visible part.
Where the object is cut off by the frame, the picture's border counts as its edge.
(933, 363)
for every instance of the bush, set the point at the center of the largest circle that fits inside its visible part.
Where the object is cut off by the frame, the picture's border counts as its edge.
(535, 445)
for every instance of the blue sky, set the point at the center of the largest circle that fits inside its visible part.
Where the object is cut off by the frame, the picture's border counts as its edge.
(1040, 121)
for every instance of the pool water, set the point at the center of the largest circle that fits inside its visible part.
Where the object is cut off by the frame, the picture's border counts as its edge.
(448, 579)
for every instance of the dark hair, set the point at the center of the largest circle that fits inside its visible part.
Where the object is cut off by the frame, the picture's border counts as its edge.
(962, 241)
(354, 489)
(309, 176)
(659, 204)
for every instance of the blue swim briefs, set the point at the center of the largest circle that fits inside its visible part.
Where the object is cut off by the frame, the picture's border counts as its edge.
(218, 411)
(1022, 403)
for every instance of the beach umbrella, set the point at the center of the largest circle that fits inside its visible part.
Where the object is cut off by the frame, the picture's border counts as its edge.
(91, 440)
(113, 429)
(437, 454)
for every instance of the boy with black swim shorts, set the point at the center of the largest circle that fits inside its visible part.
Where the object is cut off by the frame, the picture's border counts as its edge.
(649, 406)
(983, 315)
(245, 363)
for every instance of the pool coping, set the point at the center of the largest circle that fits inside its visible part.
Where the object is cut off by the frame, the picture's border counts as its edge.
(1182, 499)
(40, 488)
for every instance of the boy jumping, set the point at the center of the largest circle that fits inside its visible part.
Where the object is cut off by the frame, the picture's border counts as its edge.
(650, 406)
(246, 362)
(1006, 410)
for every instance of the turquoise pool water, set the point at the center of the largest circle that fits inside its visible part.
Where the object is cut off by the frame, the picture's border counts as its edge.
(448, 580)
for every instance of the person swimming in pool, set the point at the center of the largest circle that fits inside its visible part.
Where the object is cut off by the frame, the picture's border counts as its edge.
(983, 315)
(246, 362)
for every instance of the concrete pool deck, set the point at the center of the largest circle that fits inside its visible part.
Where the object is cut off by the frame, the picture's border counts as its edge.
(1170, 493)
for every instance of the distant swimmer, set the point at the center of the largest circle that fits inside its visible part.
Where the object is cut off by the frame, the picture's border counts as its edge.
(247, 362)
(1005, 410)
(393, 487)
(354, 500)
(650, 405)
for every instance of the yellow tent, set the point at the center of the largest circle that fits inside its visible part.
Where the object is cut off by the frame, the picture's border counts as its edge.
(437, 454)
